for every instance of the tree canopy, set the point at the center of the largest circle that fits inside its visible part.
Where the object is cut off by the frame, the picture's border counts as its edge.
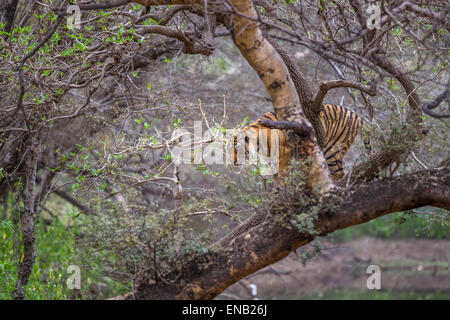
(93, 99)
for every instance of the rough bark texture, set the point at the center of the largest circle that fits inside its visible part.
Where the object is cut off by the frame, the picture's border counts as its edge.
(8, 11)
(269, 241)
(303, 90)
(266, 238)
(274, 74)
(28, 216)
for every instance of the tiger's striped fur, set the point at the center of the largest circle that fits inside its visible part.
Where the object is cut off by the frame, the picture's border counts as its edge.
(254, 131)
(340, 126)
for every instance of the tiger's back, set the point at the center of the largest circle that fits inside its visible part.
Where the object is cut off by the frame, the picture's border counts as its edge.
(341, 126)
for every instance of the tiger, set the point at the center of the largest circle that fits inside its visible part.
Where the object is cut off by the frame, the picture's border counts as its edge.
(269, 143)
(340, 126)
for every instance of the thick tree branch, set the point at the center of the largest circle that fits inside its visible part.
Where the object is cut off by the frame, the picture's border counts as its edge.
(441, 17)
(273, 72)
(267, 241)
(27, 219)
(118, 3)
(303, 89)
(327, 85)
(191, 45)
(286, 125)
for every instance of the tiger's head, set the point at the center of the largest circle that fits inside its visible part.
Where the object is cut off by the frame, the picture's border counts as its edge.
(255, 144)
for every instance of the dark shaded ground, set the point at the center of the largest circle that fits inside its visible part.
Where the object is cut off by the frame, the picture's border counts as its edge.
(412, 268)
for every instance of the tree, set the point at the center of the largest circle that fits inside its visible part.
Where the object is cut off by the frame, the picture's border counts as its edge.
(55, 95)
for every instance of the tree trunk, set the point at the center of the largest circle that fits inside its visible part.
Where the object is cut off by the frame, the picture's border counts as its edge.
(274, 74)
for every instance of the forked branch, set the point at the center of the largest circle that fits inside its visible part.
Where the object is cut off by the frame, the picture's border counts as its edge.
(328, 85)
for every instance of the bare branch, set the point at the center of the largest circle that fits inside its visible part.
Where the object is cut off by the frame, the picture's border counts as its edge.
(287, 125)
(191, 44)
(74, 202)
(327, 85)
(110, 5)
(436, 102)
(26, 57)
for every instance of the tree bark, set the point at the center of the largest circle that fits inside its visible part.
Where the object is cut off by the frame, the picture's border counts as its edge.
(262, 239)
(273, 72)
(27, 219)
(266, 238)
(269, 241)
(9, 8)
